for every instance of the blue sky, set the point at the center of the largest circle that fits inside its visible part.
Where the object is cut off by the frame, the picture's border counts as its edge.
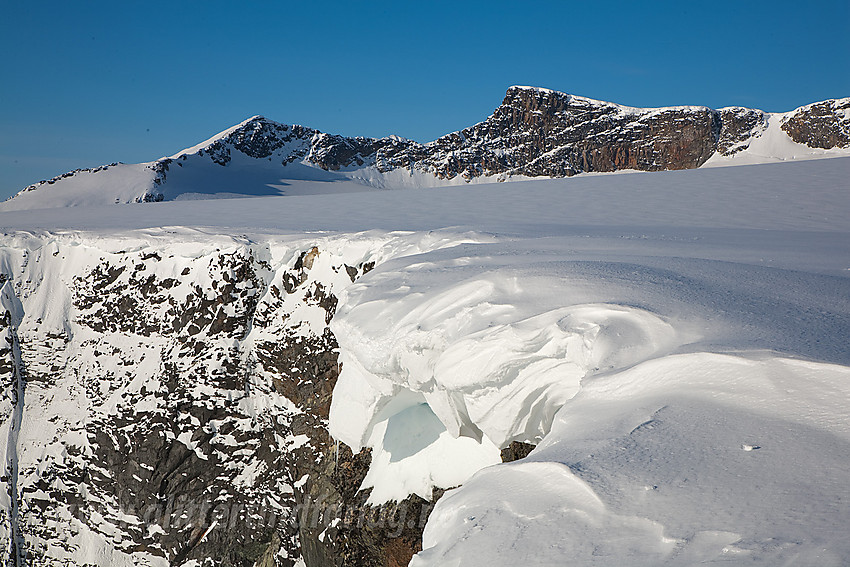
(90, 82)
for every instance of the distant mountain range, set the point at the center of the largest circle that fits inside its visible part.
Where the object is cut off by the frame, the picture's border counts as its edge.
(535, 132)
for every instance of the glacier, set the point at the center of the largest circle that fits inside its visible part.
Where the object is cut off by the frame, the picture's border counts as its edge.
(673, 344)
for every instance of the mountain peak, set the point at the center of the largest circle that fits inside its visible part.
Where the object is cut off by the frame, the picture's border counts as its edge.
(255, 123)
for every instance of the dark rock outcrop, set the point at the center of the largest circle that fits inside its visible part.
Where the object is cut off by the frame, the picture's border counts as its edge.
(538, 132)
(821, 125)
(516, 450)
(739, 126)
(338, 528)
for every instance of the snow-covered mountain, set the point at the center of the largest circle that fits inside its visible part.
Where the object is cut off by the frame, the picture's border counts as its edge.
(534, 133)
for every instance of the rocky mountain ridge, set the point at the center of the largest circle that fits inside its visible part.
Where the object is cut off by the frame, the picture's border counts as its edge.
(534, 133)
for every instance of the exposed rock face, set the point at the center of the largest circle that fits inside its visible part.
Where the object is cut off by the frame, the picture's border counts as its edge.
(163, 451)
(738, 127)
(537, 132)
(822, 125)
(179, 412)
(339, 529)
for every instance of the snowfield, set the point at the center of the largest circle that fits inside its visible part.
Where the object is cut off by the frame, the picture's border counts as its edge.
(675, 345)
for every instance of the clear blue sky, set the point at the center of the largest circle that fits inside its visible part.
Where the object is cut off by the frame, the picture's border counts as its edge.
(90, 82)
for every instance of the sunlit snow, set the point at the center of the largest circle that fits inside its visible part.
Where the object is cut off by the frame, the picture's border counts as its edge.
(675, 344)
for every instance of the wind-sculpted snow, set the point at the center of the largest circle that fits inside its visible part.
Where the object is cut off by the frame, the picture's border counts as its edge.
(672, 423)
(482, 354)
(523, 510)
(683, 460)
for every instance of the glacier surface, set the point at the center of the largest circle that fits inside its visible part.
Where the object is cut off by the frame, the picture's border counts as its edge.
(674, 344)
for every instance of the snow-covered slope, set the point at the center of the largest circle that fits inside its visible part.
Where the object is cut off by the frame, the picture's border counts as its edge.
(533, 133)
(257, 157)
(674, 345)
(108, 184)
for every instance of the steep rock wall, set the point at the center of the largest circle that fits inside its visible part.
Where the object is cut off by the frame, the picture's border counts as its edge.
(176, 405)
